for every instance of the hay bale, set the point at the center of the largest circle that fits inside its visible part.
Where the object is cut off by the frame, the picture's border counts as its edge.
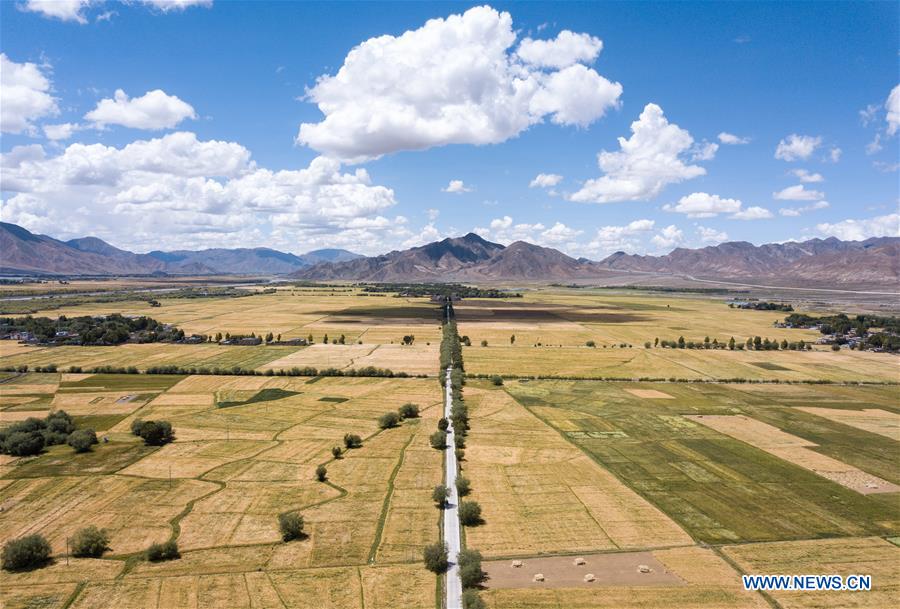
(517, 563)
(644, 569)
(579, 561)
(538, 577)
(589, 577)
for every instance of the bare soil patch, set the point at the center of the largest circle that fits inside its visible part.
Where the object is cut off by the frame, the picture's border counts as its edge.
(615, 569)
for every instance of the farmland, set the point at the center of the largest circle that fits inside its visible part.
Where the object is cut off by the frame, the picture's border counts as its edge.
(724, 462)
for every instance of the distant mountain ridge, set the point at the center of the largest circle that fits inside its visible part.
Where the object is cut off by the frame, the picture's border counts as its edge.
(813, 263)
(22, 251)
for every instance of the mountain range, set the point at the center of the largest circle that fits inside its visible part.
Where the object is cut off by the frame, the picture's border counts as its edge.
(814, 263)
(23, 252)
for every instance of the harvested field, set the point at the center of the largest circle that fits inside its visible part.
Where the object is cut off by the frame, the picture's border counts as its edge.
(869, 419)
(649, 394)
(414, 359)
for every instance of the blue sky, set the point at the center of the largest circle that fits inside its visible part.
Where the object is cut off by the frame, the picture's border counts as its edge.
(178, 125)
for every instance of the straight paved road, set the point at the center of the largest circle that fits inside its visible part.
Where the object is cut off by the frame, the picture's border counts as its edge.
(451, 515)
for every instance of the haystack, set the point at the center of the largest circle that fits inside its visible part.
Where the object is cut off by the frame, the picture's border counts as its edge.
(589, 577)
(579, 561)
(517, 563)
(538, 577)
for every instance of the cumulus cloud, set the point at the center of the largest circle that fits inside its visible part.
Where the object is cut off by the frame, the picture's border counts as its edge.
(668, 237)
(834, 155)
(24, 96)
(613, 238)
(63, 131)
(711, 235)
(860, 230)
(797, 211)
(566, 49)
(797, 147)
(154, 110)
(732, 140)
(752, 213)
(65, 10)
(545, 180)
(645, 164)
(893, 110)
(505, 230)
(798, 193)
(456, 187)
(704, 205)
(704, 151)
(454, 81)
(178, 191)
(807, 177)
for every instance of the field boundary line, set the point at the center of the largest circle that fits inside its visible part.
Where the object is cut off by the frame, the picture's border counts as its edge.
(385, 506)
(740, 571)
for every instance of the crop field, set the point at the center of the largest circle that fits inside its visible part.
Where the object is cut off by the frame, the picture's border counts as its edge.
(246, 450)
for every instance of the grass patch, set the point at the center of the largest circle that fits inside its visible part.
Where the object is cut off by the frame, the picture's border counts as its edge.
(104, 458)
(98, 422)
(122, 382)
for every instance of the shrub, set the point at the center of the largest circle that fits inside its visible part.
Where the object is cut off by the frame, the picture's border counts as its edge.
(443, 424)
(90, 542)
(82, 440)
(471, 600)
(469, 513)
(158, 552)
(388, 420)
(336, 452)
(470, 568)
(484, 343)
(156, 433)
(23, 443)
(460, 454)
(435, 556)
(291, 526)
(409, 411)
(439, 495)
(590, 343)
(27, 552)
(321, 473)
(351, 440)
(136, 427)
(60, 423)
(497, 380)
(463, 486)
(438, 440)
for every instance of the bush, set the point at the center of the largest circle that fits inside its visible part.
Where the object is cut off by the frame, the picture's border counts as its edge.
(469, 513)
(321, 473)
(435, 556)
(409, 411)
(443, 424)
(158, 552)
(497, 380)
(471, 600)
(463, 486)
(439, 495)
(27, 552)
(90, 542)
(291, 526)
(470, 568)
(336, 452)
(82, 440)
(388, 420)
(136, 427)
(590, 343)
(351, 440)
(23, 443)
(484, 343)
(154, 433)
(60, 423)
(438, 440)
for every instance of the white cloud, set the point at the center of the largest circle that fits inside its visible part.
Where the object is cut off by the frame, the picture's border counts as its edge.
(62, 131)
(177, 191)
(505, 230)
(798, 192)
(732, 140)
(893, 110)
(560, 234)
(874, 147)
(704, 151)
(545, 180)
(65, 10)
(711, 235)
(668, 237)
(807, 177)
(611, 239)
(645, 164)
(834, 155)
(752, 213)
(566, 49)
(24, 96)
(796, 211)
(868, 114)
(797, 147)
(432, 214)
(456, 187)
(176, 5)
(704, 205)
(452, 81)
(860, 230)
(154, 110)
